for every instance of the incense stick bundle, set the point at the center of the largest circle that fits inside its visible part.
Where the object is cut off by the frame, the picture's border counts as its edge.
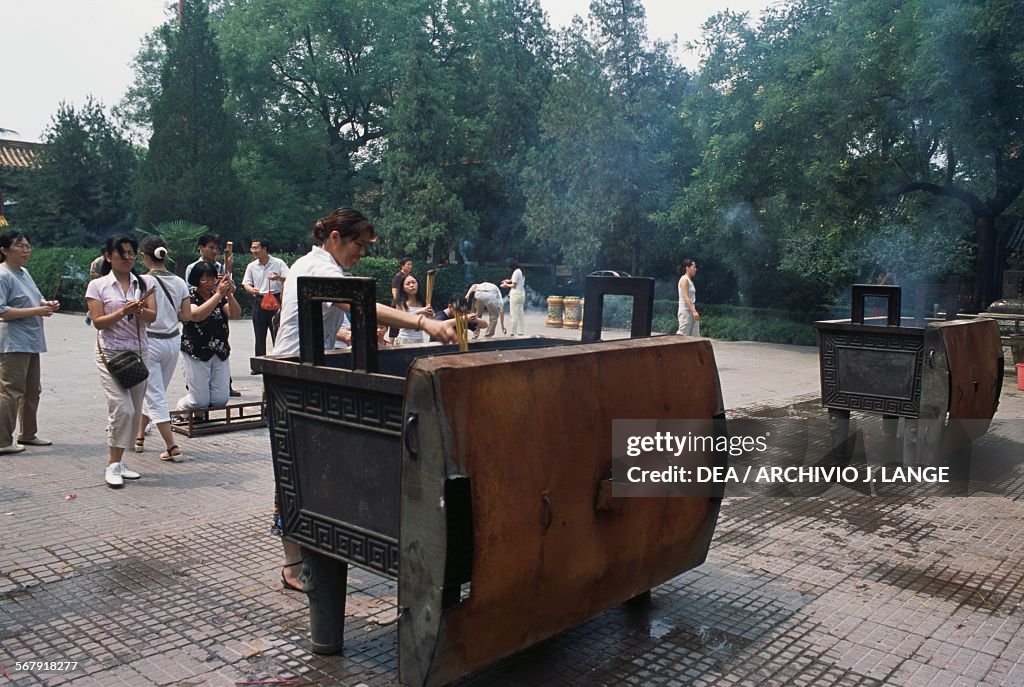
(431, 274)
(461, 329)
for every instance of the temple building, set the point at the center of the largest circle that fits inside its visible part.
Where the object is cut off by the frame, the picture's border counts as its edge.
(15, 157)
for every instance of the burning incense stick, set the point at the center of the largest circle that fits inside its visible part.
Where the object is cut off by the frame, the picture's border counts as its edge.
(461, 329)
(430, 286)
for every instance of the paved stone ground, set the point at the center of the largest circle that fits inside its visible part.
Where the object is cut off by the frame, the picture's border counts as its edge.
(173, 580)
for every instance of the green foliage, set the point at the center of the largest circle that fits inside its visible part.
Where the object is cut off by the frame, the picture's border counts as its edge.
(600, 173)
(729, 323)
(188, 171)
(135, 108)
(180, 237)
(836, 120)
(326, 72)
(830, 140)
(81, 191)
(381, 269)
(422, 212)
(62, 273)
(766, 330)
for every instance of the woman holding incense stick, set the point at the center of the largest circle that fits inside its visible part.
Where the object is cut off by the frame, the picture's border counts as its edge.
(22, 309)
(516, 296)
(409, 300)
(341, 239)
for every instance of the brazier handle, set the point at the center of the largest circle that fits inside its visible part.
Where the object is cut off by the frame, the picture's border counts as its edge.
(892, 295)
(359, 293)
(596, 288)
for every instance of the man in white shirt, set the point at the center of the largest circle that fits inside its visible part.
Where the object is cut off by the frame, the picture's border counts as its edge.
(264, 275)
(487, 297)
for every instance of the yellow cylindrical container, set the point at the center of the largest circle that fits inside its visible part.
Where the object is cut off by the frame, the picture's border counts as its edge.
(571, 319)
(555, 305)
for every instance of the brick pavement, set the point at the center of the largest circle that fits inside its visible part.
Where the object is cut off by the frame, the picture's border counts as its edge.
(173, 579)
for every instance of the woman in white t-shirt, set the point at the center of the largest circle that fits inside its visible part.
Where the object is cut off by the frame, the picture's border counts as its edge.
(516, 297)
(341, 239)
(164, 337)
(409, 300)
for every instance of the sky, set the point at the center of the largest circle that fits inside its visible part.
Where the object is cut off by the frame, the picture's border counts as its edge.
(65, 50)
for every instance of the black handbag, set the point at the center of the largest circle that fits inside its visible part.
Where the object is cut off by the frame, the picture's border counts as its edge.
(127, 367)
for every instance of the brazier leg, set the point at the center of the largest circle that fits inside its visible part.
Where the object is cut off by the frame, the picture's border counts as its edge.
(839, 429)
(326, 585)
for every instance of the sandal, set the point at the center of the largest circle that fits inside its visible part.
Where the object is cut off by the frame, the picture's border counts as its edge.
(140, 444)
(284, 581)
(170, 455)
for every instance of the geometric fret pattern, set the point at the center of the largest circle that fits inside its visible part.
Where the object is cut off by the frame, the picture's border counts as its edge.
(379, 412)
(831, 342)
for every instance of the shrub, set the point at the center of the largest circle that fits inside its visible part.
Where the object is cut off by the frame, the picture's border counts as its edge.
(735, 323)
(62, 273)
(383, 270)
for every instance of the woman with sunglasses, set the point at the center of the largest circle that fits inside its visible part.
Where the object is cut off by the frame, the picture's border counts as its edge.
(22, 309)
(120, 310)
(204, 338)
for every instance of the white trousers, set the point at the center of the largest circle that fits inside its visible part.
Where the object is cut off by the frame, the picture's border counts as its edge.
(493, 307)
(516, 299)
(161, 359)
(688, 326)
(209, 383)
(124, 406)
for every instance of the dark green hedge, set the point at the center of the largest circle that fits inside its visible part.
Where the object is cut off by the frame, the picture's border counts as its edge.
(735, 323)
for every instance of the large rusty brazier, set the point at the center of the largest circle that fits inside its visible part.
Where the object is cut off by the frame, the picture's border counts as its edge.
(479, 480)
(943, 376)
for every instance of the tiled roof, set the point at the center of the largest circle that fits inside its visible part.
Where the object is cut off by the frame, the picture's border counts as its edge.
(19, 154)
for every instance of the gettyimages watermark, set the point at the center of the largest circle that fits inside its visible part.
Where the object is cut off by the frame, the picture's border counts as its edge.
(789, 457)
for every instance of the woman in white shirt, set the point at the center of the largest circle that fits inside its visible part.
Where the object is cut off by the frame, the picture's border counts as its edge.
(410, 301)
(342, 238)
(120, 314)
(164, 336)
(516, 297)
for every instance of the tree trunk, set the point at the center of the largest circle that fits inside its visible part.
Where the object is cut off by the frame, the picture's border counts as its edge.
(986, 269)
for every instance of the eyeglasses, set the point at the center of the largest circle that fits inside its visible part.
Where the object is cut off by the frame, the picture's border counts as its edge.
(207, 280)
(22, 245)
(126, 256)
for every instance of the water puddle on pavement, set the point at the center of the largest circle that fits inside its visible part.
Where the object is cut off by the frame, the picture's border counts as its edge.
(659, 628)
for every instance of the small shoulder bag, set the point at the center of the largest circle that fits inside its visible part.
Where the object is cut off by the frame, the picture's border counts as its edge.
(127, 367)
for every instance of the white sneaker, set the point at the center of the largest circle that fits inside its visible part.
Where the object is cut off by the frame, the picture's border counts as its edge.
(128, 474)
(113, 475)
(13, 448)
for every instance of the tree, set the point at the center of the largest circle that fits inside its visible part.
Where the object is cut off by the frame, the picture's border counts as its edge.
(81, 190)
(320, 66)
(601, 172)
(188, 173)
(832, 116)
(426, 146)
(506, 78)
